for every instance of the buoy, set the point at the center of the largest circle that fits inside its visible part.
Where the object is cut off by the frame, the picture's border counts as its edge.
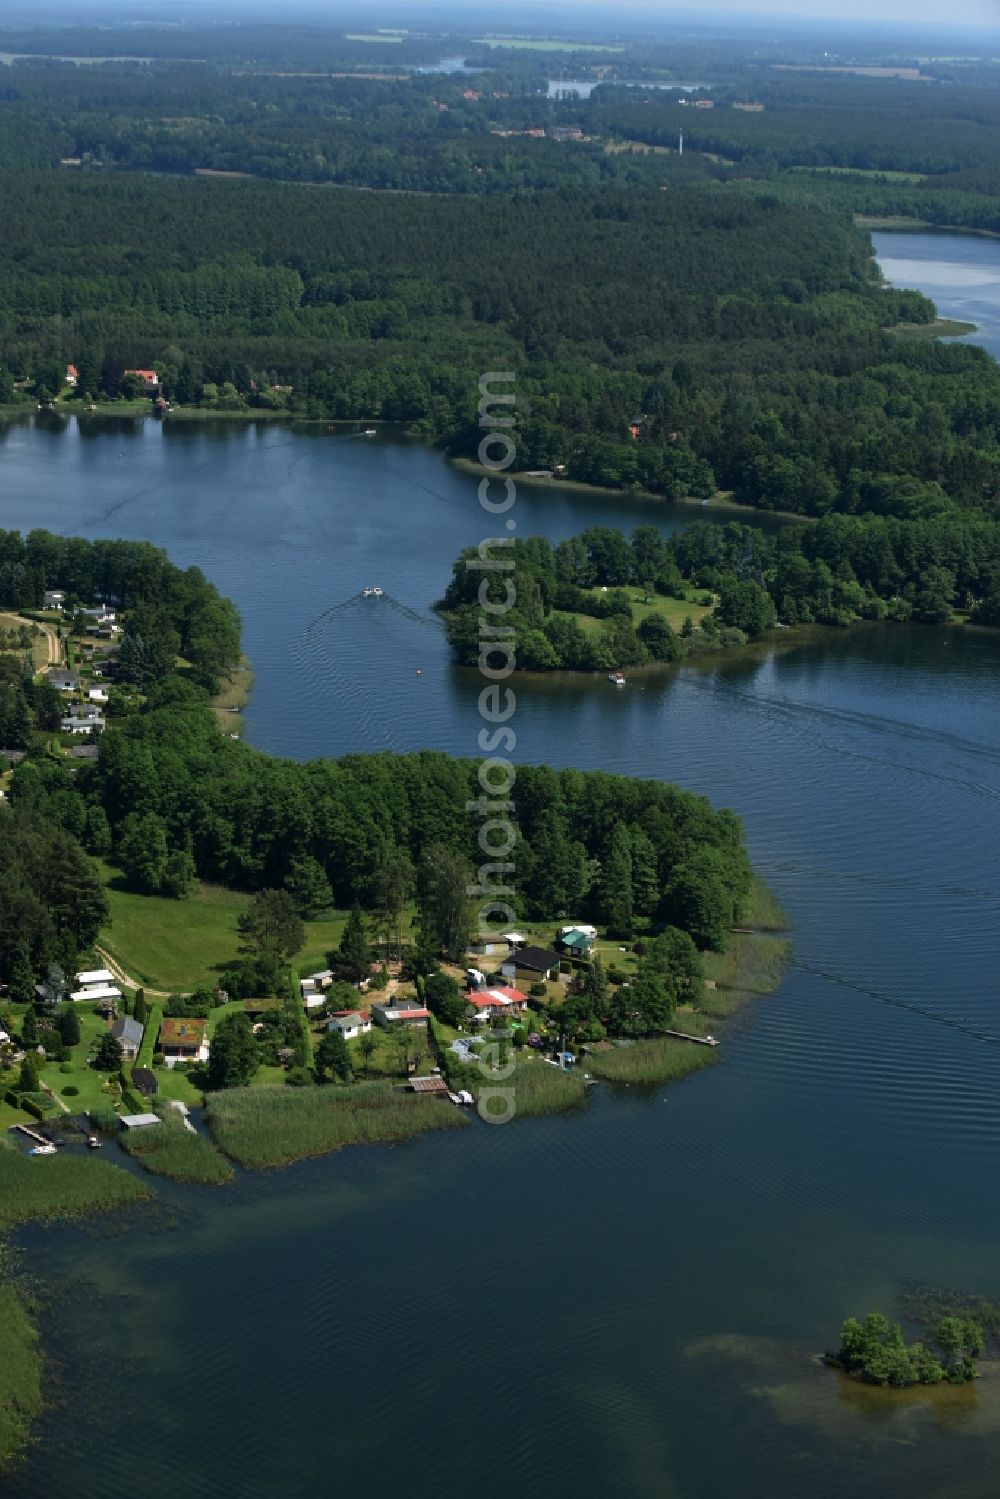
(419, 672)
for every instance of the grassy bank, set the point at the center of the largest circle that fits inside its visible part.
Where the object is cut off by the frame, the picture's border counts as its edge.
(20, 1374)
(941, 327)
(170, 1149)
(177, 944)
(272, 1126)
(753, 964)
(233, 696)
(62, 1186)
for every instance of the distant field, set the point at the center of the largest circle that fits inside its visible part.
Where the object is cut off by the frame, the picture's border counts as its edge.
(865, 172)
(360, 36)
(532, 44)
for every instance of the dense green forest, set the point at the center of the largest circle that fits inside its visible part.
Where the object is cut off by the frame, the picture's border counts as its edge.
(842, 569)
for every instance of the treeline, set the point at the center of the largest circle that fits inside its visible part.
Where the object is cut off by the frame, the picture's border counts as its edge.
(840, 570)
(596, 846)
(52, 902)
(170, 612)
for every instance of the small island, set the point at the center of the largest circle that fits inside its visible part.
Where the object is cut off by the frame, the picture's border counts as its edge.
(874, 1351)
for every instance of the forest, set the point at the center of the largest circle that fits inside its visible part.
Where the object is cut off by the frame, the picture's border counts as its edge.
(840, 570)
(171, 790)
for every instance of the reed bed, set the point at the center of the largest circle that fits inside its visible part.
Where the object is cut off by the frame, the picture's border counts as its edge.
(645, 1063)
(62, 1186)
(20, 1374)
(172, 1150)
(260, 1127)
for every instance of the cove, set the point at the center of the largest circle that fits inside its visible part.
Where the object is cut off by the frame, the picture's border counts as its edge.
(623, 1300)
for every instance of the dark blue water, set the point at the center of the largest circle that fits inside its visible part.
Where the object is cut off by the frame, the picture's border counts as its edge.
(625, 1301)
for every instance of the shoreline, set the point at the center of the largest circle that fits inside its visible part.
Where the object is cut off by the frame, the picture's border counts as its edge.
(752, 967)
(719, 501)
(899, 224)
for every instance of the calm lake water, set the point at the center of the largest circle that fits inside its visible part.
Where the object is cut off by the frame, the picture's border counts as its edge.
(627, 1300)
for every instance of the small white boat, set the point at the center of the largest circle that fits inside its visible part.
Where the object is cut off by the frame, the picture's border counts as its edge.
(42, 1150)
(370, 432)
(618, 677)
(371, 593)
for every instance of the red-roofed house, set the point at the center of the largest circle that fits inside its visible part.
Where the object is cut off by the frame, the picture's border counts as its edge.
(496, 1004)
(72, 374)
(149, 378)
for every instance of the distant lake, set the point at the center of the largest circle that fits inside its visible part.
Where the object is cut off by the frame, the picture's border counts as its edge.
(642, 1288)
(961, 272)
(585, 86)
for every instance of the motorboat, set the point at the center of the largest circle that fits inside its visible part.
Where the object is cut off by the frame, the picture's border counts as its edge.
(618, 677)
(371, 593)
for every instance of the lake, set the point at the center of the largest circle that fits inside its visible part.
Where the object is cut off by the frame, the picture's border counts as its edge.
(627, 1300)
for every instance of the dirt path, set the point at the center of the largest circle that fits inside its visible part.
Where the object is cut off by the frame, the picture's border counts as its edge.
(123, 978)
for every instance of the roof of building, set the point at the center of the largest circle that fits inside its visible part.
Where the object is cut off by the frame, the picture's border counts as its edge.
(486, 999)
(137, 1121)
(348, 1018)
(97, 991)
(407, 1007)
(128, 1030)
(540, 959)
(95, 976)
(175, 1032)
(145, 1080)
(428, 1085)
(144, 374)
(63, 674)
(84, 752)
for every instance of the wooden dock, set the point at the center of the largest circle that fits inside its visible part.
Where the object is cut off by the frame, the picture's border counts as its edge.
(32, 1134)
(698, 1040)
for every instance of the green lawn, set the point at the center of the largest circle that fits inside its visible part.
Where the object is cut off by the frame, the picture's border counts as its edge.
(674, 611)
(179, 944)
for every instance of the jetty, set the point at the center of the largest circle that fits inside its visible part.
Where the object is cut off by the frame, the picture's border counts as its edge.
(686, 1036)
(32, 1134)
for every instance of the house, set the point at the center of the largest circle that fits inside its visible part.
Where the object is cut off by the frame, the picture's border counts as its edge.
(350, 1024)
(531, 963)
(183, 1041)
(144, 1081)
(76, 725)
(83, 752)
(101, 613)
(72, 374)
(85, 710)
(434, 1086)
(496, 1003)
(150, 380)
(575, 941)
(399, 1012)
(128, 1033)
(97, 694)
(62, 678)
(53, 598)
(96, 984)
(314, 988)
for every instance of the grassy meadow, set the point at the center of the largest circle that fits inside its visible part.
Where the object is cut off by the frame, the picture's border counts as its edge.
(272, 1126)
(173, 945)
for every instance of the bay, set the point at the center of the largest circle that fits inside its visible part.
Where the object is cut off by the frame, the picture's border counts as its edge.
(629, 1299)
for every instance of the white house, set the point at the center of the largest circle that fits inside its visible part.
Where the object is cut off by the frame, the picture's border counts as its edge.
(314, 988)
(96, 983)
(75, 725)
(62, 678)
(97, 694)
(350, 1025)
(53, 598)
